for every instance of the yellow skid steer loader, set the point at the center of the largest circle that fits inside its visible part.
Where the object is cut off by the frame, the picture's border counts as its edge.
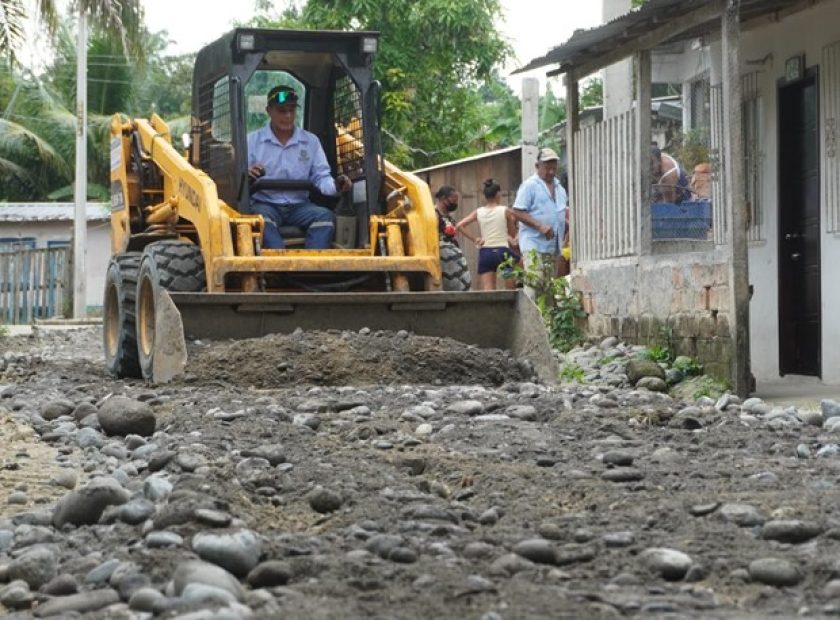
(187, 256)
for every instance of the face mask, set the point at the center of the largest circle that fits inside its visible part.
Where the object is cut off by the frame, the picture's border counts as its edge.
(451, 207)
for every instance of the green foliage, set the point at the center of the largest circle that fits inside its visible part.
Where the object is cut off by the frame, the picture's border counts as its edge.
(691, 148)
(123, 17)
(4, 330)
(559, 304)
(571, 373)
(688, 365)
(656, 353)
(433, 59)
(663, 351)
(592, 93)
(37, 133)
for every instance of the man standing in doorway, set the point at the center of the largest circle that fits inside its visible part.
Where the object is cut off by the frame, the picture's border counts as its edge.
(543, 198)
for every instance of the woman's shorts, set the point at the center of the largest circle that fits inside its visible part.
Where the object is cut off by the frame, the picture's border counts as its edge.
(489, 259)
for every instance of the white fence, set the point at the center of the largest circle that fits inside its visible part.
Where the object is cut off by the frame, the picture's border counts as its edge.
(605, 198)
(33, 283)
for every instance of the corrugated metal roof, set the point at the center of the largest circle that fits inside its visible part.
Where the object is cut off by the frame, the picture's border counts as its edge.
(50, 211)
(466, 159)
(586, 45)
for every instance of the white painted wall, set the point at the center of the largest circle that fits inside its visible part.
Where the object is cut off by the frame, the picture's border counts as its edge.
(618, 78)
(98, 247)
(805, 32)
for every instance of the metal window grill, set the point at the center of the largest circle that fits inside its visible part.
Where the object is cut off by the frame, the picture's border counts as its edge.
(216, 152)
(350, 149)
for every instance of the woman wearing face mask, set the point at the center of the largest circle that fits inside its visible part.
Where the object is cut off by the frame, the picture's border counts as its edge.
(446, 202)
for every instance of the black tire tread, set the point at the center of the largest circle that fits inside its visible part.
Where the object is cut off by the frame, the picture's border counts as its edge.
(126, 362)
(454, 268)
(180, 265)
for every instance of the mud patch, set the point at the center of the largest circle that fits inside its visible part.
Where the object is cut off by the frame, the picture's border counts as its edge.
(352, 358)
(26, 465)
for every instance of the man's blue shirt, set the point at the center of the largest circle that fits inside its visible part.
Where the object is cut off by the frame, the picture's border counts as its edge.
(301, 158)
(534, 198)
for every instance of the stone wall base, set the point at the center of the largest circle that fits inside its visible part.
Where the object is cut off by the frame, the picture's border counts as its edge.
(678, 301)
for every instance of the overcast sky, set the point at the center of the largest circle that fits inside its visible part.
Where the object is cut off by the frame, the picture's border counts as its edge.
(531, 26)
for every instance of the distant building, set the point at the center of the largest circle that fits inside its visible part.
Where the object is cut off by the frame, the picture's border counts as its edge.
(43, 224)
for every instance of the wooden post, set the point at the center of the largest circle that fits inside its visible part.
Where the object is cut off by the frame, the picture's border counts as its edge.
(643, 143)
(739, 295)
(530, 124)
(572, 126)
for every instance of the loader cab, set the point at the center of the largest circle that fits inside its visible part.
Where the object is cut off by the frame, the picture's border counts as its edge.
(332, 73)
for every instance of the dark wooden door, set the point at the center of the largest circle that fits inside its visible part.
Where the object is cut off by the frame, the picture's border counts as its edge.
(799, 228)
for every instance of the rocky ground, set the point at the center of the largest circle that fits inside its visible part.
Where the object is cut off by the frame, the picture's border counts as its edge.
(380, 475)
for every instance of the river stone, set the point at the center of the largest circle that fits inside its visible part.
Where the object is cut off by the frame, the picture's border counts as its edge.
(669, 564)
(269, 574)
(83, 410)
(81, 603)
(120, 415)
(89, 438)
(466, 407)
(637, 369)
(203, 592)
(793, 531)
(35, 566)
(61, 585)
(162, 538)
(194, 571)
(775, 572)
(237, 552)
(56, 408)
(743, 515)
(830, 408)
(537, 550)
(145, 599)
(16, 595)
(84, 506)
(324, 500)
(156, 488)
(654, 384)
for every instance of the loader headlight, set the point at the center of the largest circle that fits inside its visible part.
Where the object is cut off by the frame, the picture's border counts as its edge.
(369, 45)
(246, 42)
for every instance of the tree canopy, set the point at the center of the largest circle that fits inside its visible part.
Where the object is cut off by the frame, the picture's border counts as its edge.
(434, 57)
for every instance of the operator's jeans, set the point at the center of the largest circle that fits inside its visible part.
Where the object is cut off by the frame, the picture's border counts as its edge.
(318, 222)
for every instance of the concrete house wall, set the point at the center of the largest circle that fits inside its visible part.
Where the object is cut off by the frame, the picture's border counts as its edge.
(54, 222)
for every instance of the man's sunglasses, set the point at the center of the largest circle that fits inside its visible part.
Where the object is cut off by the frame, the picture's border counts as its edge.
(284, 97)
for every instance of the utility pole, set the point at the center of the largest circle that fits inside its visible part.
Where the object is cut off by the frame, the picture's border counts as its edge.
(80, 194)
(530, 124)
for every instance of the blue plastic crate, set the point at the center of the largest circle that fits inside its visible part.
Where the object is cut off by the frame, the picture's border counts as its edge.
(687, 220)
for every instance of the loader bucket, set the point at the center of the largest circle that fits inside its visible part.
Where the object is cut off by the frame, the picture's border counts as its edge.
(488, 319)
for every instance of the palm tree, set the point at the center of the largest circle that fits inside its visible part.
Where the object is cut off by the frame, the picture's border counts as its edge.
(124, 16)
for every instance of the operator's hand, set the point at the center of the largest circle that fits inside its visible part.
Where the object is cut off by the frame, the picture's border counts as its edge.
(256, 171)
(546, 230)
(343, 183)
(479, 242)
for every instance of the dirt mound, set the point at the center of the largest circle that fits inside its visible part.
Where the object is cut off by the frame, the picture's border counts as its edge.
(352, 358)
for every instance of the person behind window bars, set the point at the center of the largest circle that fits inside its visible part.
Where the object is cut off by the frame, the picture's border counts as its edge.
(280, 150)
(670, 183)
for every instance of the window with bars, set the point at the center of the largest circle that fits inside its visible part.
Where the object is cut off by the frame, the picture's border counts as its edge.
(350, 150)
(751, 120)
(216, 152)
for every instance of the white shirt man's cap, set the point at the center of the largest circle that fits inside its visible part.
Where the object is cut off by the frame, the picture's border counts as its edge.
(547, 154)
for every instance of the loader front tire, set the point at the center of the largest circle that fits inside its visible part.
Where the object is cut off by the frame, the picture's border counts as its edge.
(119, 333)
(454, 268)
(176, 266)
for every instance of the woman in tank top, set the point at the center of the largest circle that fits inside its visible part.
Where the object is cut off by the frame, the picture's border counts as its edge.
(498, 234)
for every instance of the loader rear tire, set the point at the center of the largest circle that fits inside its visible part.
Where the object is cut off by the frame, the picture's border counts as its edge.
(454, 268)
(176, 266)
(119, 334)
